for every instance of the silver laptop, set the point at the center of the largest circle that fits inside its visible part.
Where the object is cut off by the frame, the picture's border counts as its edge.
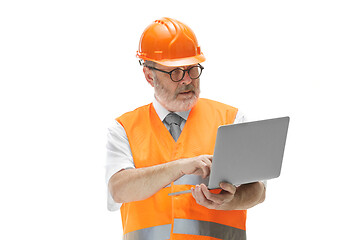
(248, 152)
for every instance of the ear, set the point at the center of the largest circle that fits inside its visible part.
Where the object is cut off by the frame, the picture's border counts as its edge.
(149, 76)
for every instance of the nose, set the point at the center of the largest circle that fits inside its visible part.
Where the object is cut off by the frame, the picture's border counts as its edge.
(186, 80)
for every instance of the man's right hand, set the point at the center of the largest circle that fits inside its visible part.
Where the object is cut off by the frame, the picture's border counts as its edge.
(200, 165)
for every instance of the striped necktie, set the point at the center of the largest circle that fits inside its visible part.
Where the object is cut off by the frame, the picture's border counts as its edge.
(174, 122)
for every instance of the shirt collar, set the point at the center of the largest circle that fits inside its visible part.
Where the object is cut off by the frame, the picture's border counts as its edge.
(163, 112)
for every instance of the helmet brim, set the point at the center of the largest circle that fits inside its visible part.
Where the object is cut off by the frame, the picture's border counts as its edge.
(181, 61)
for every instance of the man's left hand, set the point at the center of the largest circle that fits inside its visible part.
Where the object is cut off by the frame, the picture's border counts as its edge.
(221, 201)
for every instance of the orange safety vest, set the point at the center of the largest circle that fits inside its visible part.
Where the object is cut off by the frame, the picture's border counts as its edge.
(171, 217)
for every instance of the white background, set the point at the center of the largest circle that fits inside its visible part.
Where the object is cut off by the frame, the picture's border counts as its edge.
(68, 68)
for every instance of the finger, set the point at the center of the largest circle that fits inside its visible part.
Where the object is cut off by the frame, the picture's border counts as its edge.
(193, 192)
(207, 162)
(200, 197)
(202, 169)
(208, 158)
(228, 187)
(217, 198)
(206, 170)
(210, 196)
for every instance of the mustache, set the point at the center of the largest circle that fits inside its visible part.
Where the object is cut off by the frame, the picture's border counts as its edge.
(186, 88)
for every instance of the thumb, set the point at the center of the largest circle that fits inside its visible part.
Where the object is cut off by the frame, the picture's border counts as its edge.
(228, 187)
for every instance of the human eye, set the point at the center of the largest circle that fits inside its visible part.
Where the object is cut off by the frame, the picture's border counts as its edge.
(177, 74)
(194, 72)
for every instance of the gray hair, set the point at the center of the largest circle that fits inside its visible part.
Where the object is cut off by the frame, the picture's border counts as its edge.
(148, 63)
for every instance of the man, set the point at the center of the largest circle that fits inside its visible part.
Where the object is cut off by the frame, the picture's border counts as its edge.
(166, 147)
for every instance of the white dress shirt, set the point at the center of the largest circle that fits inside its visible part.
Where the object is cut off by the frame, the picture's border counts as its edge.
(119, 154)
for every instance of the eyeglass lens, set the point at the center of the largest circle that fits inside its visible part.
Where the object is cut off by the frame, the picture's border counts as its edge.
(178, 74)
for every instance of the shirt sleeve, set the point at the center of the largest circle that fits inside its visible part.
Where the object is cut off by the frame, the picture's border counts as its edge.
(240, 118)
(118, 157)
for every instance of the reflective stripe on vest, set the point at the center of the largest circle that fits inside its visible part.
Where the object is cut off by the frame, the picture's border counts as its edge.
(161, 232)
(188, 226)
(210, 229)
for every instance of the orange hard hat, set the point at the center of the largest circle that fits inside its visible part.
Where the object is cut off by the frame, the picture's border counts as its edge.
(169, 43)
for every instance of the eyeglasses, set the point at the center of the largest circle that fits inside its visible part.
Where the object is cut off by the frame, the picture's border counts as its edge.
(177, 74)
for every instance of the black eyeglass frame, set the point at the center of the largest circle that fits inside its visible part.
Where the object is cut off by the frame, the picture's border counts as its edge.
(184, 71)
